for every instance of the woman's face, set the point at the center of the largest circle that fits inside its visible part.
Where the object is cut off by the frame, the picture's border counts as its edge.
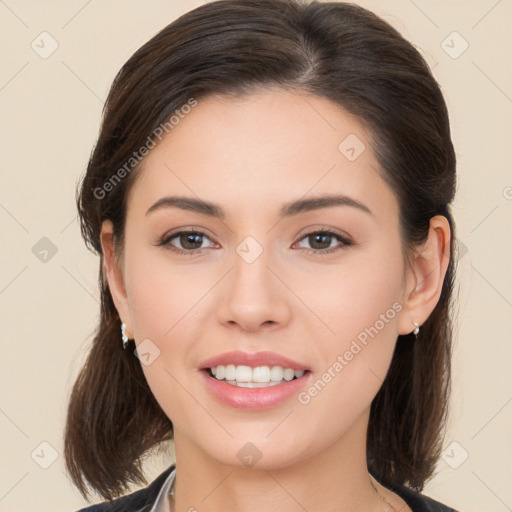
(250, 281)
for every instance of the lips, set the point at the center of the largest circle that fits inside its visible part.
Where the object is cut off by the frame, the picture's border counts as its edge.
(264, 358)
(254, 398)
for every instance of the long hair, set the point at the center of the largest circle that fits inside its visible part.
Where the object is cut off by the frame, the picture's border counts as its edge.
(334, 50)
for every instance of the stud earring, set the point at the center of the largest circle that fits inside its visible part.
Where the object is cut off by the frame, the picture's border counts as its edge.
(126, 341)
(416, 329)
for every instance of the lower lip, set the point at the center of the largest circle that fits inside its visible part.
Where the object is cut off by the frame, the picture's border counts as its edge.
(254, 398)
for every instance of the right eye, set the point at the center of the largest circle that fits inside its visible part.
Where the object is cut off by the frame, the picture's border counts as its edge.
(190, 241)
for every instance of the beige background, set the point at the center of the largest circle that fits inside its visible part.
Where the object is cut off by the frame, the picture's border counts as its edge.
(51, 111)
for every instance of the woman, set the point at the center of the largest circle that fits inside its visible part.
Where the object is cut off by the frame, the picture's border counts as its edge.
(270, 199)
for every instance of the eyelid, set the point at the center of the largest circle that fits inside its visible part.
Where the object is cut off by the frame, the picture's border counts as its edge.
(344, 239)
(324, 229)
(165, 239)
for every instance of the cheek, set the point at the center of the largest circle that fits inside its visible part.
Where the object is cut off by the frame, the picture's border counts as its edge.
(166, 302)
(358, 303)
(162, 299)
(361, 292)
(161, 295)
(361, 310)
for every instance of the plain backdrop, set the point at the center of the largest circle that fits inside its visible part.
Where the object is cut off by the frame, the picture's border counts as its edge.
(58, 61)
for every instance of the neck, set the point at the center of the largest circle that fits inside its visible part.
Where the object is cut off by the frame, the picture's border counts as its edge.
(334, 479)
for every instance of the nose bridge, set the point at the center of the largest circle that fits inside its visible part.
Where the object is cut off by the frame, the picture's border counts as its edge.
(254, 296)
(250, 272)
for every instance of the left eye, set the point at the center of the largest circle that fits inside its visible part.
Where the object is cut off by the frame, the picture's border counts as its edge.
(192, 241)
(324, 240)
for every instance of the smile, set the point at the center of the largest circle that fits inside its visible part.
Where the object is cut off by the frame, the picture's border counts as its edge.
(257, 377)
(254, 395)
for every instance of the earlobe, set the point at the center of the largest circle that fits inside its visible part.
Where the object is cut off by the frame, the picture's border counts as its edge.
(113, 274)
(425, 279)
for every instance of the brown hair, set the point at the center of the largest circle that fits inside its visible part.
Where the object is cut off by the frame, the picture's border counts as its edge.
(334, 50)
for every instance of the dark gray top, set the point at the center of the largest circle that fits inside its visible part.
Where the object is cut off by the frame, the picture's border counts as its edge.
(150, 498)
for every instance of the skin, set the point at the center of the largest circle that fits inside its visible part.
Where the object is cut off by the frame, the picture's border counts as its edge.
(251, 156)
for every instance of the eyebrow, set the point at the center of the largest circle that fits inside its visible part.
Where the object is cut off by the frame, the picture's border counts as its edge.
(287, 210)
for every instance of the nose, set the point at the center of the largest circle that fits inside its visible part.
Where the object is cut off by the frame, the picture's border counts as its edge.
(254, 296)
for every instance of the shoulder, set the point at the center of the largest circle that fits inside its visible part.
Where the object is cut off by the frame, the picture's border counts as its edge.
(418, 502)
(139, 501)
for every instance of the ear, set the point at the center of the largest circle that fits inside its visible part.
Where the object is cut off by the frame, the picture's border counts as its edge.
(115, 275)
(424, 281)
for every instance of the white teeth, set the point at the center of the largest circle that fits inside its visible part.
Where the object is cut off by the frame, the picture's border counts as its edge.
(251, 384)
(230, 372)
(243, 374)
(277, 373)
(289, 374)
(220, 373)
(259, 376)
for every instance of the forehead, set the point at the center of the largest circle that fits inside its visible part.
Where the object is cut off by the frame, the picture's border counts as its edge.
(268, 145)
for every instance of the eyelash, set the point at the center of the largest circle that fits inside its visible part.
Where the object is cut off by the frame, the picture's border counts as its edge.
(345, 242)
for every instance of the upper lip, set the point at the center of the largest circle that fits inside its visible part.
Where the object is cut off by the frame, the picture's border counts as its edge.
(264, 358)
